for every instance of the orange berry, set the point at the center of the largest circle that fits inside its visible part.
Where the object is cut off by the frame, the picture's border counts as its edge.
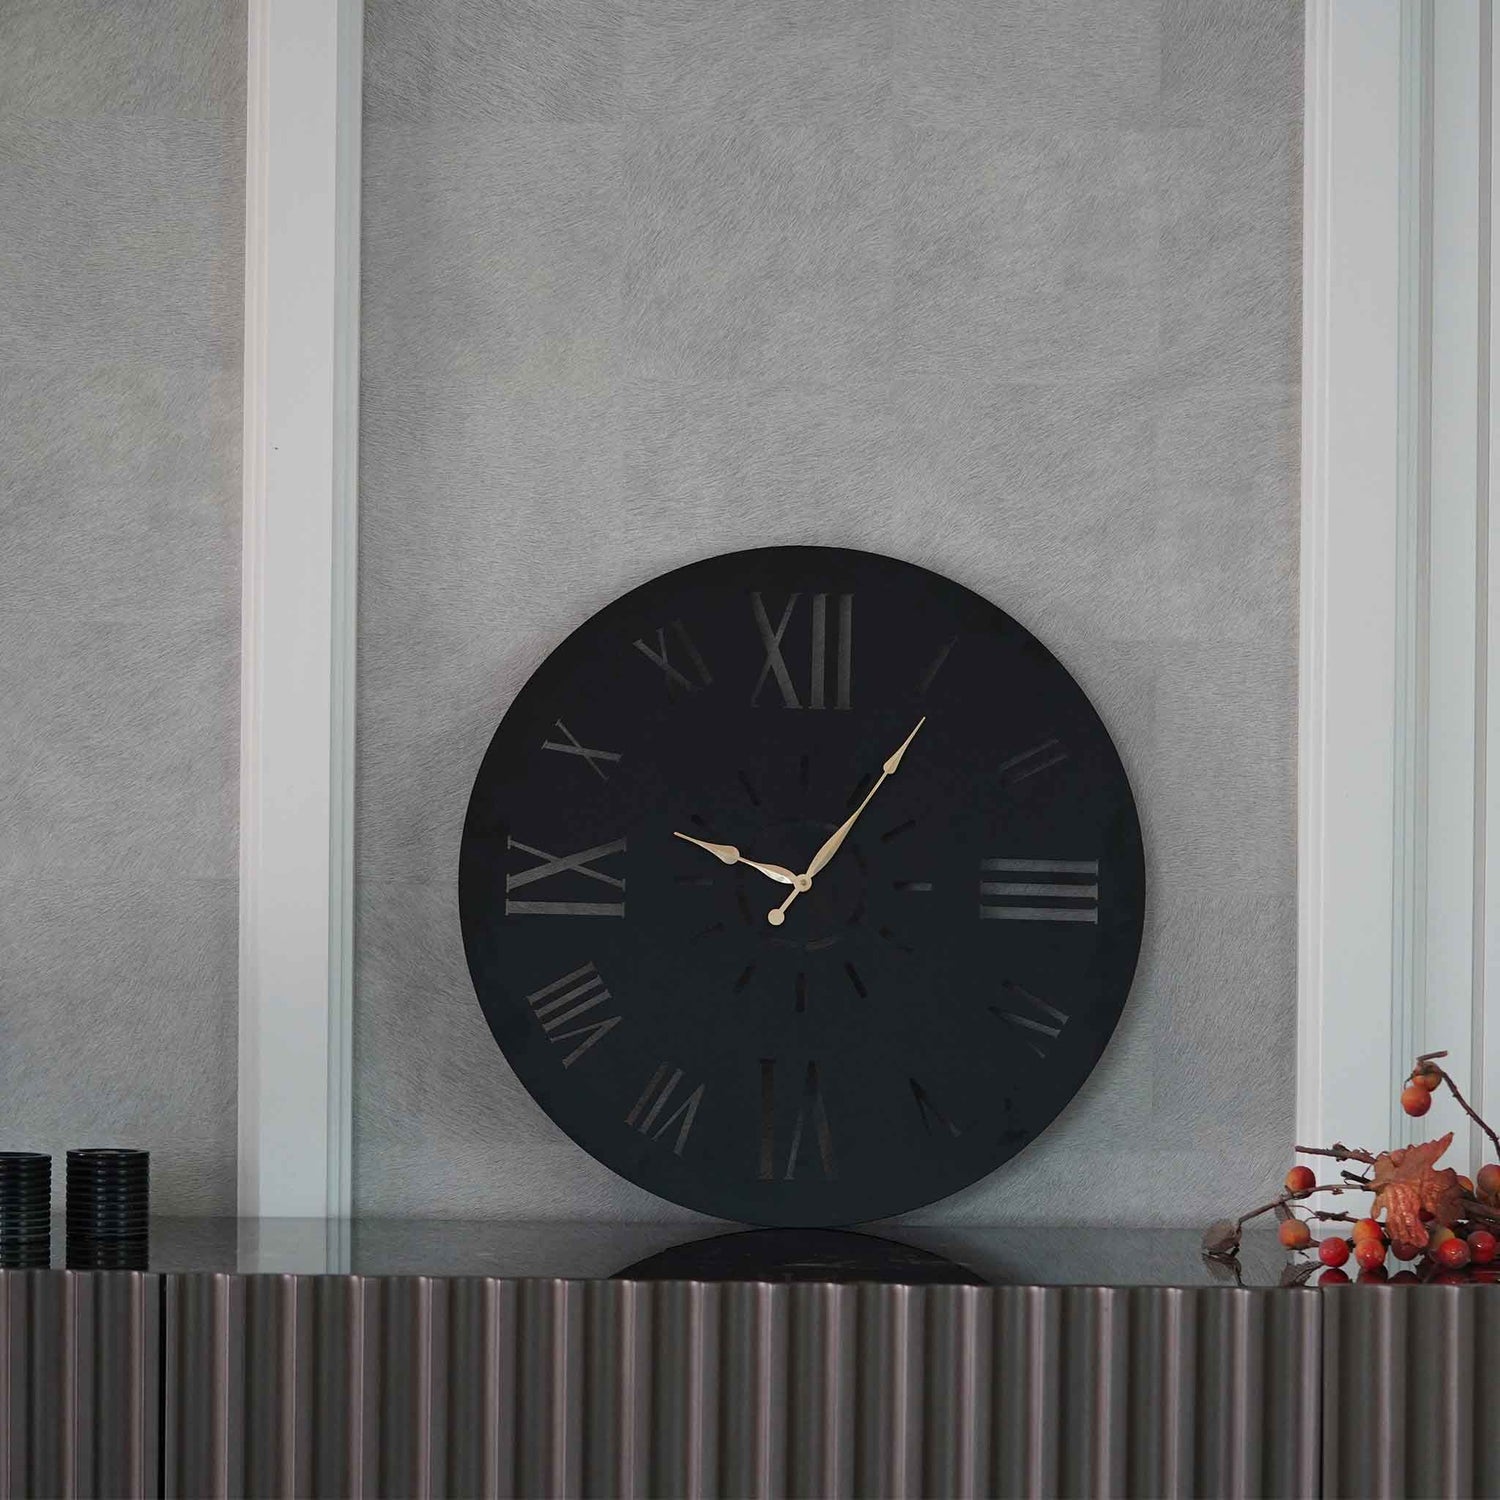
(1367, 1229)
(1300, 1179)
(1406, 1278)
(1333, 1276)
(1415, 1100)
(1483, 1247)
(1294, 1234)
(1404, 1252)
(1333, 1252)
(1428, 1078)
(1453, 1253)
(1438, 1235)
(1467, 1184)
(1374, 1273)
(1489, 1180)
(1369, 1254)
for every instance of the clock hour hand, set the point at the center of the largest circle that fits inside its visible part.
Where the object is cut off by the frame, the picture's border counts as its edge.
(836, 839)
(732, 856)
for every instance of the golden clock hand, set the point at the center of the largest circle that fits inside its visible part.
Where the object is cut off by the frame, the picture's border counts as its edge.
(835, 840)
(732, 856)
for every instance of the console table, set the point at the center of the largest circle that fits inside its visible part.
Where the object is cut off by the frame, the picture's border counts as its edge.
(431, 1359)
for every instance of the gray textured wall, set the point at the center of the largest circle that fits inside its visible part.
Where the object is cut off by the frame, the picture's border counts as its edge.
(1005, 288)
(121, 252)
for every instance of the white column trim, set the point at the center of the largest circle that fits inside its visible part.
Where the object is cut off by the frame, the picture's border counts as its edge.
(1346, 761)
(298, 593)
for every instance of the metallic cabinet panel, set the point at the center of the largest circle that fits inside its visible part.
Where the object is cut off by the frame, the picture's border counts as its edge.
(424, 1386)
(79, 1383)
(1411, 1385)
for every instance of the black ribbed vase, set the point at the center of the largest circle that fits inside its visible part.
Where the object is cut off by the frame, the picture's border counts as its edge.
(25, 1208)
(109, 1197)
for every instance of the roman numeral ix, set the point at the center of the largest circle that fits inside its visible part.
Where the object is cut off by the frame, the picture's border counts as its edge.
(1037, 1022)
(557, 864)
(678, 680)
(564, 1000)
(658, 1094)
(1039, 890)
(841, 649)
(812, 1120)
(593, 757)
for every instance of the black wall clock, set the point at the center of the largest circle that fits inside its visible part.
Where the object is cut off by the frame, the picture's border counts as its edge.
(926, 961)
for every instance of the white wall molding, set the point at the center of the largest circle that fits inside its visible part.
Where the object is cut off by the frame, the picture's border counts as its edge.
(1400, 603)
(1350, 505)
(298, 626)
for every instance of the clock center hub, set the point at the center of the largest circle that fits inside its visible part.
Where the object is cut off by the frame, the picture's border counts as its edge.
(819, 917)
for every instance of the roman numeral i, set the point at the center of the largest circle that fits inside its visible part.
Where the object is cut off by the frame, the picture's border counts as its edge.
(820, 649)
(558, 864)
(1039, 890)
(564, 1000)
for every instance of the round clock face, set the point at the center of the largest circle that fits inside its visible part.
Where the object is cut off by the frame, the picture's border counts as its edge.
(802, 886)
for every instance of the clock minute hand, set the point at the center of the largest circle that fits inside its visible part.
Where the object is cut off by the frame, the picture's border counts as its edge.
(835, 840)
(732, 856)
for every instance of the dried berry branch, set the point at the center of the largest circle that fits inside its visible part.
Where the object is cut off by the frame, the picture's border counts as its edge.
(1339, 1151)
(1431, 1058)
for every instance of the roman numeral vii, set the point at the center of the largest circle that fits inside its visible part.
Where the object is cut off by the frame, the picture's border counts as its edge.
(646, 1117)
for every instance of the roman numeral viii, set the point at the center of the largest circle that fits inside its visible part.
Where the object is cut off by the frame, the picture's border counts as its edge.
(564, 1000)
(646, 1117)
(812, 1123)
(687, 674)
(1036, 1023)
(1039, 890)
(553, 865)
(838, 651)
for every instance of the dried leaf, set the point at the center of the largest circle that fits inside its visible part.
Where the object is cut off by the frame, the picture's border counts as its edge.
(1222, 1238)
(1295, 1273)
(1406, 1182)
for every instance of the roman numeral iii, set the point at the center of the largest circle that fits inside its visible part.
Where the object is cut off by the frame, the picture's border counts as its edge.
(553, 865)
(812, 1123)
(565, 1000)
(689, 672)
(830, 642)
(1036, 1023)
(647, 1116)
(1039, 890)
